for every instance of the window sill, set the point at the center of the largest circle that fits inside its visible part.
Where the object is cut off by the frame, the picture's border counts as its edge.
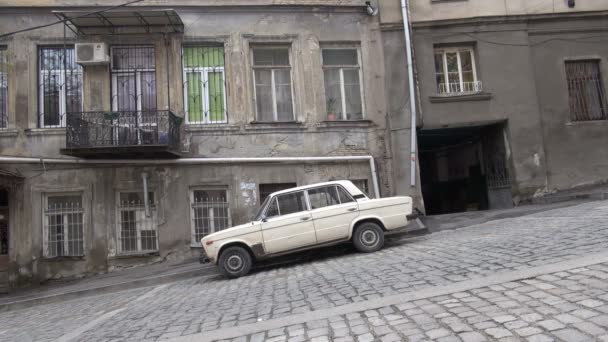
(45, 131)
(211, 127)
(283, 125)
(345, 123)
(9, 132)
(136, 255)
(65, 258)
(587, 122)
(460, 97)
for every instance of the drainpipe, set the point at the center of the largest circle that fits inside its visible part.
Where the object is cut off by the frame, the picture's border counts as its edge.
(410, 75)
(144, 178)
(194, 161)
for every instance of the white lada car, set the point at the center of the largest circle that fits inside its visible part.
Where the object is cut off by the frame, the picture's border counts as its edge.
(306, 217)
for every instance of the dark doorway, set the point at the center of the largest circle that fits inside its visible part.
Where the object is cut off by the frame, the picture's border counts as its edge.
(464, 169)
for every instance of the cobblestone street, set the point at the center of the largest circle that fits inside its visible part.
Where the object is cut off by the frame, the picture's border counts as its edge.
(541, 277)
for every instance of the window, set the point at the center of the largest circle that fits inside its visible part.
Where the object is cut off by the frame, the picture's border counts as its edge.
(209, 211)
(267, 189)
(136, 228)
(362, 185)
(133, 78)
(63, 225)
(272, 80)
(345, 197)
(273, 209)
(204, 84)
(291, 203)
(323, 197)
(342, 77)
(587, 96)
(3, 89)
(455, 71)
(59, 85)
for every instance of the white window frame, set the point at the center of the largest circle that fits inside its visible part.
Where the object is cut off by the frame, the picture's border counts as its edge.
(194, 242)
(153, 208)
(272, 69)
(62, 90)
(45, 225)
(204, 72)
(342, 68)
(4, 84)
(446, 79)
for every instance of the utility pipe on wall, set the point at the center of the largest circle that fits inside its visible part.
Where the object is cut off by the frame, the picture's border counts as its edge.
(144, 178)
(193, 161)
(410, 75)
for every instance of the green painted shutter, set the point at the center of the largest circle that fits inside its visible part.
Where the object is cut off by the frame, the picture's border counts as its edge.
(195, 100)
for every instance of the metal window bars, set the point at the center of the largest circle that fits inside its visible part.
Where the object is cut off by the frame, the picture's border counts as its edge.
(59, 85)
(137, 233)
(587, 96)
(3, 89)
(64, 227)
(210, 214)
(204, 85)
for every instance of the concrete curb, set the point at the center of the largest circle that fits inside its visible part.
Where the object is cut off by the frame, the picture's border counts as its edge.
(121, 286)
(462, 286)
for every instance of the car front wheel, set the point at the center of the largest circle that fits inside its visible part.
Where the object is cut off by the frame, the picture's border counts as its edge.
(235, 262)
(368, 237)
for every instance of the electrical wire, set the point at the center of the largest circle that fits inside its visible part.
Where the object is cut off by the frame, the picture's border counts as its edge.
(63, 21)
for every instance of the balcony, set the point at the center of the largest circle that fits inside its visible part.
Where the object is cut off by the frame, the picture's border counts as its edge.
(123, 134)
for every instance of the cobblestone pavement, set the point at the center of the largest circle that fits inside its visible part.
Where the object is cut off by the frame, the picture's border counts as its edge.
(564, 306)
(197, 305)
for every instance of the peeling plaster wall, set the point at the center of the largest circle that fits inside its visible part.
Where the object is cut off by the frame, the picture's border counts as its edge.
(305, 30)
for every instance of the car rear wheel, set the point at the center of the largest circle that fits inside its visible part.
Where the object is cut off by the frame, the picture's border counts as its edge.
(368, 237)
(235, 262)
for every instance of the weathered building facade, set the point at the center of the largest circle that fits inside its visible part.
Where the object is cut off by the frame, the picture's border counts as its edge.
(211, 80)
(512, 97)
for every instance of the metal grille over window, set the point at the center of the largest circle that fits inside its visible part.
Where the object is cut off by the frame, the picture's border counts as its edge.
(60, 85)
(63, 226)
(455, 72)
(3, 88)
(342, 84)
(137, 232)
(204, 84)
(272, 77)
(210, 213)
(587, 95)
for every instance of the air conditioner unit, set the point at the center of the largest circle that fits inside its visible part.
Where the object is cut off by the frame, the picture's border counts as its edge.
(92, 54)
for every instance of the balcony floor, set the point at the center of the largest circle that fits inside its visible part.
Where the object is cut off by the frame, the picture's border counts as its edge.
(123, 152)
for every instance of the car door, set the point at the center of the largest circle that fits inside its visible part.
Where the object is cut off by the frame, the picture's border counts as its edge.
(333, 210)
(288, 223)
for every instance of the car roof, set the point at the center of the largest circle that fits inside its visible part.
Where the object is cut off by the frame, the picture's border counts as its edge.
(348, 185)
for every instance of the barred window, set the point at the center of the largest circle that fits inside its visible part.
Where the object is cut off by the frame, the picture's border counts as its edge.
(63, 225)
(272, 80)
(204, 84)
(455, 71)
(267, 189)
(587, 96)
(342, 77)
(133, 78)
(210, 212)
(59, 85)
(137, 230)
(3, 88)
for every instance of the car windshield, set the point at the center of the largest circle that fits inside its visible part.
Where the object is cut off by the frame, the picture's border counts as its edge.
(258, 216)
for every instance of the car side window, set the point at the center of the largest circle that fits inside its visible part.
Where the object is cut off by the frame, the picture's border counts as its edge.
(291, 203)
(323, 197)
(345, 197)
(273, 209)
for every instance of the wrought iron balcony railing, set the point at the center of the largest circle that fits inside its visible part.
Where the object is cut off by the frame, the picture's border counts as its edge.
(122, 129)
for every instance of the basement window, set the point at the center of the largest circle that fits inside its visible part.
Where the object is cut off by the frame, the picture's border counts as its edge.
(63, 219)
(137, 230)
(210, 212)
(586, 93)
(267, 189)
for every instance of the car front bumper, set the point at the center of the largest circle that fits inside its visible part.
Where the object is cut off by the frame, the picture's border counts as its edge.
(203, 258)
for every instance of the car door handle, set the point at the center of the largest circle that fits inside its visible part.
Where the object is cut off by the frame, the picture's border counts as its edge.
(352, 209)
(305, 218)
